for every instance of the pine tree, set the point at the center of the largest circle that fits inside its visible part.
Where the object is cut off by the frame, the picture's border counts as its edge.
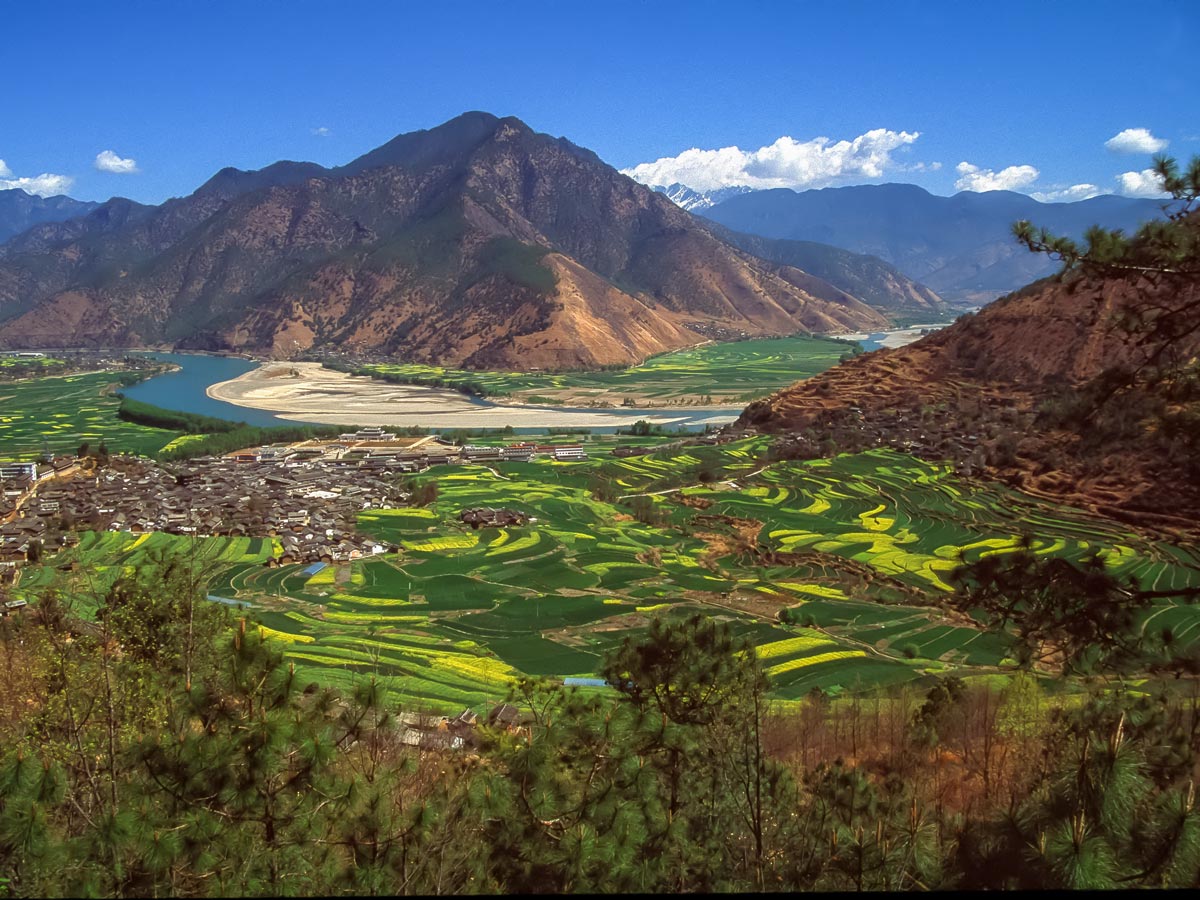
(1062, 612)
(1161, 261)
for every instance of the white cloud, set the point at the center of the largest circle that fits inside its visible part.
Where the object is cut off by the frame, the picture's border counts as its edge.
(973, 178)
(1145, 183)
(1135, 140)
(787, 163)
(5, 171)
(1067, 194)
(44, 185)
(107, 161)
(322, 131)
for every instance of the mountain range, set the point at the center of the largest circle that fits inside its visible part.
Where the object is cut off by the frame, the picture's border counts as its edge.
(960, 246)
(869, 278)
(478, 243)
(20, 211)
(696, 201)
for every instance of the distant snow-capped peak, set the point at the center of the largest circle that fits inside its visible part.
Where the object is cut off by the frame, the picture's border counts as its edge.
(693, 200)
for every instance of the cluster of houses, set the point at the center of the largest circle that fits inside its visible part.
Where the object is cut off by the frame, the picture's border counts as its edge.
(377, 448)
(309, 506)
(19, 482)
(523, 452)
(486, 517)
(460, 732)
(307, 494)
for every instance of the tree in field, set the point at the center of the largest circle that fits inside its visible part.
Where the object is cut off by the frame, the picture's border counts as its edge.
(727, 816)
(1060, 612)
(700, 696)
(294, 789)
(1076, 615)
(668, 788)
(567, 806)
(688, 672)
(425, 493)
(134, 779)
(99, 687)
(859, 835)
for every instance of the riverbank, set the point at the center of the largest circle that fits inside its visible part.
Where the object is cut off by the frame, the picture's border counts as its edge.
(183, 388)
(308, 392)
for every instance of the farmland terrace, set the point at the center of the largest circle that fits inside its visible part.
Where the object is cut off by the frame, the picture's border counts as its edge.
(836, 569)
(22, 365)
(713, 373)
(307, 494)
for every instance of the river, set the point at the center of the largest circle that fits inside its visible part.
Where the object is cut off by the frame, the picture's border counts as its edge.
(892, 339)
(186, 390)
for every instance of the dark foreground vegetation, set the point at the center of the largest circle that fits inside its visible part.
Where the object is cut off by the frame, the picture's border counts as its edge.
(167, 749)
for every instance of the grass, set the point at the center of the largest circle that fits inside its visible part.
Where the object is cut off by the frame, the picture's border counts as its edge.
(87, 571)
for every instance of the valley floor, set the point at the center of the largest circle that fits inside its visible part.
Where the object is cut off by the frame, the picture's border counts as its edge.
(835, 569)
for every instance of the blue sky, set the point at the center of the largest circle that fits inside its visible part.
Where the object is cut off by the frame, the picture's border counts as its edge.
(177, 90)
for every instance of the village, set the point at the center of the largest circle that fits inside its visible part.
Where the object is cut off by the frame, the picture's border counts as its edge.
(306, 495)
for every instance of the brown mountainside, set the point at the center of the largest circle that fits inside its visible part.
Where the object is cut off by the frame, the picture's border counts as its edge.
(979, 392)
(477, 243)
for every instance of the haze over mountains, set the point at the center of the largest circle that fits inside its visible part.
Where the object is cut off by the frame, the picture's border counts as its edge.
(477, 243)
(961, 246)
(20, 211)
(869, 278)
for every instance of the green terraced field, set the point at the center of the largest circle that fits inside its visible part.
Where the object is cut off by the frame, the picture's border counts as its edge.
(45, 363)
(915, 521)
(856, 549)
(731, 372)
(63, 412)
(87, 571)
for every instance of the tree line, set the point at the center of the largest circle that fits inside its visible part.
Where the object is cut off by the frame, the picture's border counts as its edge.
(216, 436)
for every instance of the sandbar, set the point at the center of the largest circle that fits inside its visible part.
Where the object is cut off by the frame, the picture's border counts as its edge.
(308, 392)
